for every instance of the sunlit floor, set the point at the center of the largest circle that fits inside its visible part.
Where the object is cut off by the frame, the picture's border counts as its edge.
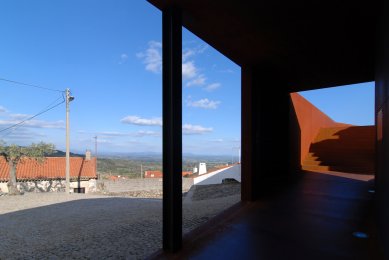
(315, 218)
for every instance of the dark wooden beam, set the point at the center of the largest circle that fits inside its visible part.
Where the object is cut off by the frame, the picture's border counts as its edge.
(172, 128)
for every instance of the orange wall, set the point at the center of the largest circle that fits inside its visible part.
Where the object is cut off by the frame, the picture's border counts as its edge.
(310, 120)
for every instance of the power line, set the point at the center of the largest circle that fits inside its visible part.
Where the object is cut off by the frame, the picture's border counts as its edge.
(30, 85)
(14, 127)
(32, 117)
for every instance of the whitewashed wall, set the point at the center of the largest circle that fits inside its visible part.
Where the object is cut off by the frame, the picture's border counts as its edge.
(50, 186)
(217, 177)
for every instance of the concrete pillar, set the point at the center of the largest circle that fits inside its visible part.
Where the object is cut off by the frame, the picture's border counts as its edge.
(382, 126)
(266, 150)
(172, 128)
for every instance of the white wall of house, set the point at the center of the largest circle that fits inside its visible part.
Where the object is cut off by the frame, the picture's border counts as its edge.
(217, 177)
(51, 186)
(3, 187)
(202, 168)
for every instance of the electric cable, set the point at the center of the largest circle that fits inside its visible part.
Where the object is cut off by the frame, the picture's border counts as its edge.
(17, 127)
(32, 117)
(29, 85)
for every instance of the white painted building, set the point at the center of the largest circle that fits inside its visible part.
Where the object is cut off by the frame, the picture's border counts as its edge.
(218, 176)
(202, 168)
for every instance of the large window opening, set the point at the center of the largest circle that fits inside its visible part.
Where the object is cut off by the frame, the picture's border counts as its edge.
(109, 56)
(338, 130)
(211, 132)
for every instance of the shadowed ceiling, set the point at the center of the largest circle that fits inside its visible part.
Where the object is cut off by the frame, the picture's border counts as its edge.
(312, 44)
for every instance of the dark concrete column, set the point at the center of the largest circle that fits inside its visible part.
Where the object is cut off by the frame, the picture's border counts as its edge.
(382, 126)
(172, 128)
(266, 163)
(248, 167)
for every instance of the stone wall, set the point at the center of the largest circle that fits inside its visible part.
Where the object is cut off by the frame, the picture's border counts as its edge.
(51, 186)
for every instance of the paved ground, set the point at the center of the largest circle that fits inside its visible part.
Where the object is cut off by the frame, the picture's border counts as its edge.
(82, 226)
(142, 185)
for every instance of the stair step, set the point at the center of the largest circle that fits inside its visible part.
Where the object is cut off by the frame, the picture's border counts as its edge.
(346, 156)
(315, 168)
(367, 170)
(345, 149)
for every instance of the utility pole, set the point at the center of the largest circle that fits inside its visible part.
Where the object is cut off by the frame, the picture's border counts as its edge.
(238, 148)
(239, 154)
(68, 99)
(141, 171)
(96, 155)
(95, 146)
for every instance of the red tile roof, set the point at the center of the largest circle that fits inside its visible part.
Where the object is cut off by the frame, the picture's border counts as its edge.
(50, 168)
(186, 173)
(153, 174)
(159, 174)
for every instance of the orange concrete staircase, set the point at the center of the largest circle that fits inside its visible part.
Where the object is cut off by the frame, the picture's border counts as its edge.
(343, 149)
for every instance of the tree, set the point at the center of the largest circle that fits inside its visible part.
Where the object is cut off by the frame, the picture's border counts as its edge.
(14, 155)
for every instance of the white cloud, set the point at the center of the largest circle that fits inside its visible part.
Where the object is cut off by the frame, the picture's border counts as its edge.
(34, 124)
(152, 57)
(103, 141)
(204, 103)
(198, 81)
(147, 133)
(2, 109)
(111, 134)
(188, 129)
(136, 120)
(187, 54)
(45, 124)
(123, 58)
(140, 133)
(22, 133)
(212, 87)
(189, 70)
(202, 48)
(19, 116)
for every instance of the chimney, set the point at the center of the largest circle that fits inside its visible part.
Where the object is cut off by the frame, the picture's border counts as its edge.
(88, 155)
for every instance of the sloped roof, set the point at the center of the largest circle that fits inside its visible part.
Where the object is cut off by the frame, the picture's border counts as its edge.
(50, 168)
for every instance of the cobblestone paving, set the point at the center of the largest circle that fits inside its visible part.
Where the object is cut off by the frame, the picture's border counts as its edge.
(84, 226)
(130, 185)
(213, 191)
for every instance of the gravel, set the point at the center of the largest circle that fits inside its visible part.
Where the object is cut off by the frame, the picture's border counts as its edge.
(119, 225)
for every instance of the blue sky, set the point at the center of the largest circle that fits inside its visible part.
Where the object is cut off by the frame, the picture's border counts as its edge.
(351, 104)
(109, 54)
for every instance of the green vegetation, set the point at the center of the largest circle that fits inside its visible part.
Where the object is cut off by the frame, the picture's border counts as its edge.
(126, 167)
(13, 154)
(131, 168)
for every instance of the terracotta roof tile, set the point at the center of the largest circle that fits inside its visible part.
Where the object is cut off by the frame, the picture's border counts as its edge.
(50, 168)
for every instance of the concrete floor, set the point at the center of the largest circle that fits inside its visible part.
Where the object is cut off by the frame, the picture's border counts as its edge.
(312, 219)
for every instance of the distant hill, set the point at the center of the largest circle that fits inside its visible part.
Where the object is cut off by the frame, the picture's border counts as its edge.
(151, 156)
(58, 153)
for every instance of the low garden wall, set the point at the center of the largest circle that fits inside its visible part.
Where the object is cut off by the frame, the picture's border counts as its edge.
(51, 186)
